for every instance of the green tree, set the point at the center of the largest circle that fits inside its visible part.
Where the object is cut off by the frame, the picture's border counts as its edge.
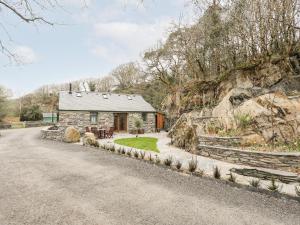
(31, 113)
(3, 103)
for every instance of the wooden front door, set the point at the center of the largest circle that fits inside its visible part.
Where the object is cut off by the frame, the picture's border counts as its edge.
(120, 122)
(160, 121)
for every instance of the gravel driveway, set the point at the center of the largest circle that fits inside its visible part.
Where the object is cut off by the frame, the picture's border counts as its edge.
(43, 182)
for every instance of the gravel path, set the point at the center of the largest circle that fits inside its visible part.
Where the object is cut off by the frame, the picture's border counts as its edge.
(43, 182)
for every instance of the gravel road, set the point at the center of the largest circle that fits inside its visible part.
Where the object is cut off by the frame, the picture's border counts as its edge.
(44, 182)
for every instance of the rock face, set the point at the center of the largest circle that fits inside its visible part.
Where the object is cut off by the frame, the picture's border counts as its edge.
(72, 135)
(89, 139)
(254, 105)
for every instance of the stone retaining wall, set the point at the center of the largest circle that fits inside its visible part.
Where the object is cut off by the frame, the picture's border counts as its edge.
(281, 161)
(55, 135)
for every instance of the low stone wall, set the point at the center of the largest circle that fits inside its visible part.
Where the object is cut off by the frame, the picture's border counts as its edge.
(55, 135)
(281, 161)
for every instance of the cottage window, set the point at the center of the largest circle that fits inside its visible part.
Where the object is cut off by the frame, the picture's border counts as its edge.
(94, 117)
(144, 116)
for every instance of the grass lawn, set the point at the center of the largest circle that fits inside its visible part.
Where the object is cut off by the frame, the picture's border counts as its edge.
(145, 143)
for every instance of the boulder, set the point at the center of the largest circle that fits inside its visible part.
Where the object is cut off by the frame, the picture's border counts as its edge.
(72, 135)
(89, 139)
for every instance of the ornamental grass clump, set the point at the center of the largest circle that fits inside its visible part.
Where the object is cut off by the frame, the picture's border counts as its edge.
(157, 160)
(136, 154)
(129, 153)
(150, 158)
(217, 173)
(113, 148)
(123, 152)
(232, 178)
(168, 161)
(119, 150)
(255, 183)
(178, 165)
(193, 163)
(142, 154)
(273, 186)
(297, 190)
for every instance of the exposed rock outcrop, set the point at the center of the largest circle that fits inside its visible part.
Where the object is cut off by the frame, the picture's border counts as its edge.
(254, 105)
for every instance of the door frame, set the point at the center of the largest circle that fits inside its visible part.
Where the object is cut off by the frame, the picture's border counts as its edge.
(117, 126)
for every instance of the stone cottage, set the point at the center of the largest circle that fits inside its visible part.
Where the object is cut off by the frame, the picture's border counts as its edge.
(85, 109)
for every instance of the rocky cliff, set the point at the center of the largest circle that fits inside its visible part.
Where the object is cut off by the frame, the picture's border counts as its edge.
(260, 104)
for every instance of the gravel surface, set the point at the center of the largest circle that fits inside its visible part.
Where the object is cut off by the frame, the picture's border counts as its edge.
(44, 182)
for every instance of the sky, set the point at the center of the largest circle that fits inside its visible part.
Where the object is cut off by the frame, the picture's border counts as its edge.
(89, 39)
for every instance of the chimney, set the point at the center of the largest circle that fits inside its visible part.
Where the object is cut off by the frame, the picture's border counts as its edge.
(70, 88)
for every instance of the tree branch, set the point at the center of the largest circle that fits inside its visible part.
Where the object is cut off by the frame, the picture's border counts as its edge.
(26, 19)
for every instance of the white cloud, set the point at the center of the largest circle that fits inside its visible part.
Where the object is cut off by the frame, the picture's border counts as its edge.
(77, 3)
(124, 41)
(25, 55)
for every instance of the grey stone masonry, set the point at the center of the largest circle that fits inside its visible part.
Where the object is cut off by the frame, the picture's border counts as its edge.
(55, 135)
(280, 161)
(148, 124)
(82, 119)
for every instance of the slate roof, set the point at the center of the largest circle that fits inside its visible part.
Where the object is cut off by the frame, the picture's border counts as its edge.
(106, 102)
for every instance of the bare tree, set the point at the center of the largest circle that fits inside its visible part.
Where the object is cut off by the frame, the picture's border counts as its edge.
(127, 75)
(28, 11)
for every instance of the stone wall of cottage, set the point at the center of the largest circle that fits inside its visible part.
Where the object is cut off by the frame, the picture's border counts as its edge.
(81, 119)
(148, 125)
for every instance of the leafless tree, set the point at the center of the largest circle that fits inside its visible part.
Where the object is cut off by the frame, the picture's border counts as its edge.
(27, 11)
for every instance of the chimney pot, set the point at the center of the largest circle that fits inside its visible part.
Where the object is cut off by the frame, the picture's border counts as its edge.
(70, 88)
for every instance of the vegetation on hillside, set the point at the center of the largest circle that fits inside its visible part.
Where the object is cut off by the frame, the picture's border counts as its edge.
(228, 36)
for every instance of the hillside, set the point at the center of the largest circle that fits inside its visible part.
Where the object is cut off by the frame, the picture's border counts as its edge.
(259, 104)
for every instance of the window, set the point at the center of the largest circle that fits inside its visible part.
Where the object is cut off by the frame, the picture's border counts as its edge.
(144, 116)
(94, 117)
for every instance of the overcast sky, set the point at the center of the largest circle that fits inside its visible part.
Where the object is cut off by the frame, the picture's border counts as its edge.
(90, 43)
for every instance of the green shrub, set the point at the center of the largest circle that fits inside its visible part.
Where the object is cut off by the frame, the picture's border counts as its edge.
(31, 113)
(138, 123)
(243, 120)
